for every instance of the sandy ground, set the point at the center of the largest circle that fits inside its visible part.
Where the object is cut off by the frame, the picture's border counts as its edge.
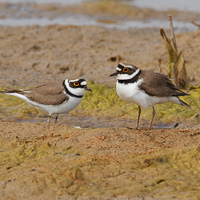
(61, 162)
(36, 55)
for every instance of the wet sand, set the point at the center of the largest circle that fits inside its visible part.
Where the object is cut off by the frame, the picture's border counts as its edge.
(60, 162)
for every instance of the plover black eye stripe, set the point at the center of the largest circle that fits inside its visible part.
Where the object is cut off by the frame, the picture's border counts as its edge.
(120, 67)
(129, 68)
(82, 83)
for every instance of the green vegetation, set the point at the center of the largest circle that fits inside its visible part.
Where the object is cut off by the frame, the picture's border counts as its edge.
(70, 171)
(115, 8)
(103, 101)
(15, 108)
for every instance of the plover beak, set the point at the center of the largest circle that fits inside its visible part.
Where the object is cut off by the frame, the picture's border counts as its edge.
(87, 88)
(114, 74)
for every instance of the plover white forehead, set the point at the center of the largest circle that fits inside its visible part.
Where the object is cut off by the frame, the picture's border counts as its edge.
(145, 88)
(55, 98)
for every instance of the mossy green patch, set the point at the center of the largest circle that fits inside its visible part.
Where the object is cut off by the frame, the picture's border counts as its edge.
(14, 108)
(45, 168)
(104, 102)
(110, 7)
(117, 8)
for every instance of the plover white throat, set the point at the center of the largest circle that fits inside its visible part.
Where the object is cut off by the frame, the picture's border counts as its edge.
(145, 88)
(55, 98)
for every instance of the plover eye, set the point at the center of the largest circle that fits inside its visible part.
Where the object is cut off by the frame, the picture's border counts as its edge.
(76, 84)
(125, 69)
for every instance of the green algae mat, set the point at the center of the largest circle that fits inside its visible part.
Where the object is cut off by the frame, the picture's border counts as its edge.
(61, 162)
(104, 102)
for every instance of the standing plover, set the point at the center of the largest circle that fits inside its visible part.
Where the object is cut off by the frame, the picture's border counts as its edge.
(145, 88)
(55, 98)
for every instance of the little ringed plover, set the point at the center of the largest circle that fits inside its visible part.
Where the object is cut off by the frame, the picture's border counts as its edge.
(55, 98)
(145, 88)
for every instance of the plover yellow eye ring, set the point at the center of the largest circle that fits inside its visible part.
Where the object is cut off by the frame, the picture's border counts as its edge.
(125, 69)
(76, 84)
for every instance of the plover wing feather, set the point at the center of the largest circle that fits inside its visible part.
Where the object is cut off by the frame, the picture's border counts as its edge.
(158, 85)
(48, 94)
(50, 88)
(47, 99)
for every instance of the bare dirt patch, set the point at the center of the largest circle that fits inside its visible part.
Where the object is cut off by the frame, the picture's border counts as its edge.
(60, 162)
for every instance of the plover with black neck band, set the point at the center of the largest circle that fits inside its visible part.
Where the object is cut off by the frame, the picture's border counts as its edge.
(145, 88)
(55, 98)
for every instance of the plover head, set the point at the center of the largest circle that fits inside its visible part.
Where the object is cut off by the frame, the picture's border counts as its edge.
(77, 87)
(126, 71)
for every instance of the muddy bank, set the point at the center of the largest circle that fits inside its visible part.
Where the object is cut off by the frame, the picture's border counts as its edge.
(59, 162)
(35, 55)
